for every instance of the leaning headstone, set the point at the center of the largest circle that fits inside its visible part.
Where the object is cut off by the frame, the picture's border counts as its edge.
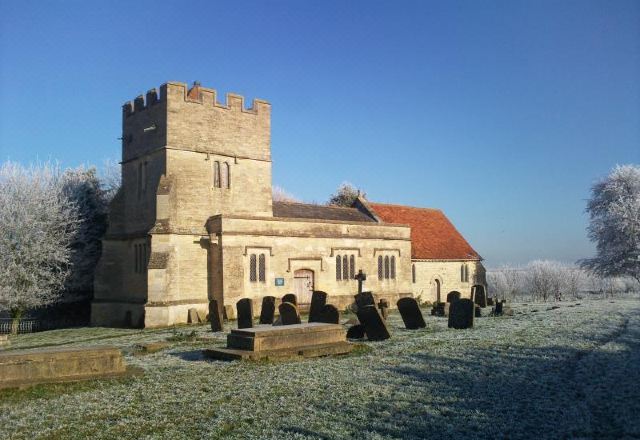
(268, 310)
(364, 299)
(329, 314)
(215, 316)
(318, 301)
(374, 325)
(290, 298)
(453, 296)
(193, 317)
(245, 313)
(411, 314)
(356, 332)
(289, 313)
(383, 306)
(479, 295)
(461, 314)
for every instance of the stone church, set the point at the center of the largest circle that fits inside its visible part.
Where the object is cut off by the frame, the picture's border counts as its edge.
(194, 220)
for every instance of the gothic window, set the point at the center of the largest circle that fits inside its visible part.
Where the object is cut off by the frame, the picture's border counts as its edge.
(345, 267)
(380, 269)
(386, 267)
(466, 273)
(352, 267)
(413, 273)
(216, 174)
(262, 269)
(393, 268)
(253, 276)
(338, 267)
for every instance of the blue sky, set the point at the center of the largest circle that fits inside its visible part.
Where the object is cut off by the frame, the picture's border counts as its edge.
(500, 113)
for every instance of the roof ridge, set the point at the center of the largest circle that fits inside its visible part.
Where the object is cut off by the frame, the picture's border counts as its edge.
(322, 205)
(407, 206)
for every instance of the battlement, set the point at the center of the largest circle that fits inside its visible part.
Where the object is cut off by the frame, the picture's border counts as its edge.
(196, 95)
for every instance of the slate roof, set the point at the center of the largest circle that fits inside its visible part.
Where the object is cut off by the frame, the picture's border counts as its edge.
(433, 236)
(319, 212)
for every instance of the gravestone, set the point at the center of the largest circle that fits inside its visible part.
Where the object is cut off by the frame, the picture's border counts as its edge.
(479, 295)
(329, 314)
(478, 311)
(452, 296)
(245, 313)
(461, 314)
(215, 316)
(438, 309)
(193, 317)
(374, 325)
(383, 306)
(497, 310)
(411, 314)
(202, 317)
(356, 332)
(290, 298)
(268, 309)
(490, 301)
(364, 299)
(318, 301)
(289, 313)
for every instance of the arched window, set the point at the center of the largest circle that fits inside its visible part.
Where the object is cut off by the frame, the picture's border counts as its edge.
(413, 273)
(466, 273)
(338, 267)
(225, 181)
(352, 267)
(216, 174)
(393, 267)
(386, 267)
(261, 268)
(345, 267)
(380, 269)
(462, 273)
(252, 268)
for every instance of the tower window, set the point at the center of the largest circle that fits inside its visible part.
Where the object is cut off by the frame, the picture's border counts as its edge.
(225, 176)
(216, 174)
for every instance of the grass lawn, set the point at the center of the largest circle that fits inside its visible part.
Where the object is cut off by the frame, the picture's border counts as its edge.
(570, 372)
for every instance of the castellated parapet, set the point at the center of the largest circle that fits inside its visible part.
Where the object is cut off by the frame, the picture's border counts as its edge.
(192, 119)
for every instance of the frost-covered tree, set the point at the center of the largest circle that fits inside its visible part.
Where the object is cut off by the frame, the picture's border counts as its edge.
(37, 226)
(280, 194)
(90, 196)
(614, 210)
(110, 179)
(345, 195)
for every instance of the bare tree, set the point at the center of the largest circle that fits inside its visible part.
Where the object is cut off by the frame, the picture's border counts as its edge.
(279, 194)
(110, 178)
(37, 226)
(345, 195)
(614, 226)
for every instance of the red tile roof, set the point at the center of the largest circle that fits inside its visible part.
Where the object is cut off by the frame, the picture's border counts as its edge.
(433, 236)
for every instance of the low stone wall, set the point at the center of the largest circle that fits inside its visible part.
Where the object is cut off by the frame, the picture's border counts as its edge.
(29, 367)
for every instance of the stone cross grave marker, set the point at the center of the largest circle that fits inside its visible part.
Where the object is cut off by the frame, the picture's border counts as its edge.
(374, 326)
(245, 313)
(215, 316)
(318, 301)
(361, 277)
(461, 314)
(411, 314)
(268, 309)
(290, 298)
(289, 313)
(329, 314)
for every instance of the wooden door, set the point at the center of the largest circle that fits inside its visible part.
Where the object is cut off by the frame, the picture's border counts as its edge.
(303, 285)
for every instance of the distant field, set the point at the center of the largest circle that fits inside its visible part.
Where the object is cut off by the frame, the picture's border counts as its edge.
(571, 372)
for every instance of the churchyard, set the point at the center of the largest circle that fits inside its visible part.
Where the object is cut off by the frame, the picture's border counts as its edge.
(550, 370)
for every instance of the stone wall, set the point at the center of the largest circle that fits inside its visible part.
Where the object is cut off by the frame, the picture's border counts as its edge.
(448, 273)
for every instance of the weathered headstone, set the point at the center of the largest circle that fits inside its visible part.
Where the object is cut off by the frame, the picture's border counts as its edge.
(329, 314)
(318, 301)
(289, 313)
(383, 306)
(452, 296)
(438, 309)
(364, 299)
(411, 314)
(374, 325)
(356, 332)
(268, 309)
(193, 317)
(245, 313)
(461, 314)
(479, 295)
(290, 298)
(215, 316)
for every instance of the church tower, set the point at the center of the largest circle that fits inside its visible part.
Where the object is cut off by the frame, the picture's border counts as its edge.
(185, 158)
